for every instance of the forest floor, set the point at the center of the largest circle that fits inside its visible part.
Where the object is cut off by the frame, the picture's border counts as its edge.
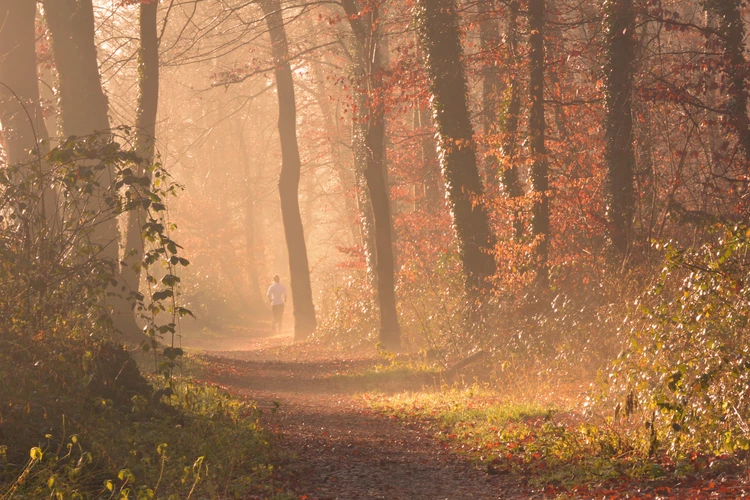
(338, 445)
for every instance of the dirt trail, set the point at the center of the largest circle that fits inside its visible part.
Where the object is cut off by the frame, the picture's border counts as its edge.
(343, 449)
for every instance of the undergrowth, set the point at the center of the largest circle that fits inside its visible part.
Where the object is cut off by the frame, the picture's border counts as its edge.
(551, 449)
(392, 373)
(77, 418)
(671, 407)
(193, 441)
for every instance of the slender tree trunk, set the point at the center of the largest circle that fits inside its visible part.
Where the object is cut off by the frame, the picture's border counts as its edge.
(383, 53)
(364, 207)
(20, 109)
(437, 23)
(304, 310)
(731, 36)
(145, 133)
(21, 114)
(489, 33)
(390, 331)
(619, 156)
(510, 180)
(372, 128)
(540, 229)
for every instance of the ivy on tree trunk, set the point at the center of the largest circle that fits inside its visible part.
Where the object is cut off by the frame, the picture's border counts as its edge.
(437, 23)
(370, 135)
(145, 133)
(540, 229)
(510, 179)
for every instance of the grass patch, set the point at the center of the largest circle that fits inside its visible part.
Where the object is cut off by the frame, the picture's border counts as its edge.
(190, 441)
(387, 378)
(391, 373)
(552, 449)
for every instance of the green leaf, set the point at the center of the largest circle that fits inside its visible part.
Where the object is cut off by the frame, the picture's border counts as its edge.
(173, 353)
(170, 280)
(183, 311)
(161, 295)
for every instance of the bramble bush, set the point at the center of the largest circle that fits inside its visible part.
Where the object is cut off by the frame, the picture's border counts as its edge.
(77, 417)
(682, 382)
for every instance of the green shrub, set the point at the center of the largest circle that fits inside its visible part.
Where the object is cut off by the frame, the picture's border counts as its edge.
(77, 418)
(683, 381)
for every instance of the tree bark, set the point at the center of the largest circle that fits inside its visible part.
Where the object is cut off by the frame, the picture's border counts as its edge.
(21, 116)
(731, 36)
(84, 112)
(492, 88)
(437, 23)
(364, 206)
(372, 125)
(304, 310)
(145, 133)
(540, 229)
(619, 21)
(510, 179)
(20, 109)
(83, 105)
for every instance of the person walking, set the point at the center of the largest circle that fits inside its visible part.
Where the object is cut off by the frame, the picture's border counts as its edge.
(277, 295)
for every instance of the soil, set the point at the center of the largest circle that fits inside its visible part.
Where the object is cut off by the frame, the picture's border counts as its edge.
(339, 447)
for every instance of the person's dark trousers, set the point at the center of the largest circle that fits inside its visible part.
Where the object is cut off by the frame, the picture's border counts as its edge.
(278, 314)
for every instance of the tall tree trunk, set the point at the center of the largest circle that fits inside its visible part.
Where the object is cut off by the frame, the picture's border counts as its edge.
(537, 127)
(20, 109)
(390, 331)
(489, 33)
(373, 130)
(731, 36)
(437, 23)
(304, 310)
(510, 180)
(21, 114)
(619, 156)
(83, 105)
(364, 206)
(145, 133)
(83, 112)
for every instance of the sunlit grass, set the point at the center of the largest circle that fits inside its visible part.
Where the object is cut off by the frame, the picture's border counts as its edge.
(388, 378)
(551, 447)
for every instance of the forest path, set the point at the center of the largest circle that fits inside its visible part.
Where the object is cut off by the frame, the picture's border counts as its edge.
(343, 449)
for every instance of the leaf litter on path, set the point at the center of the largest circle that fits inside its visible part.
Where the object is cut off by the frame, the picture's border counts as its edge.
(342, 449)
